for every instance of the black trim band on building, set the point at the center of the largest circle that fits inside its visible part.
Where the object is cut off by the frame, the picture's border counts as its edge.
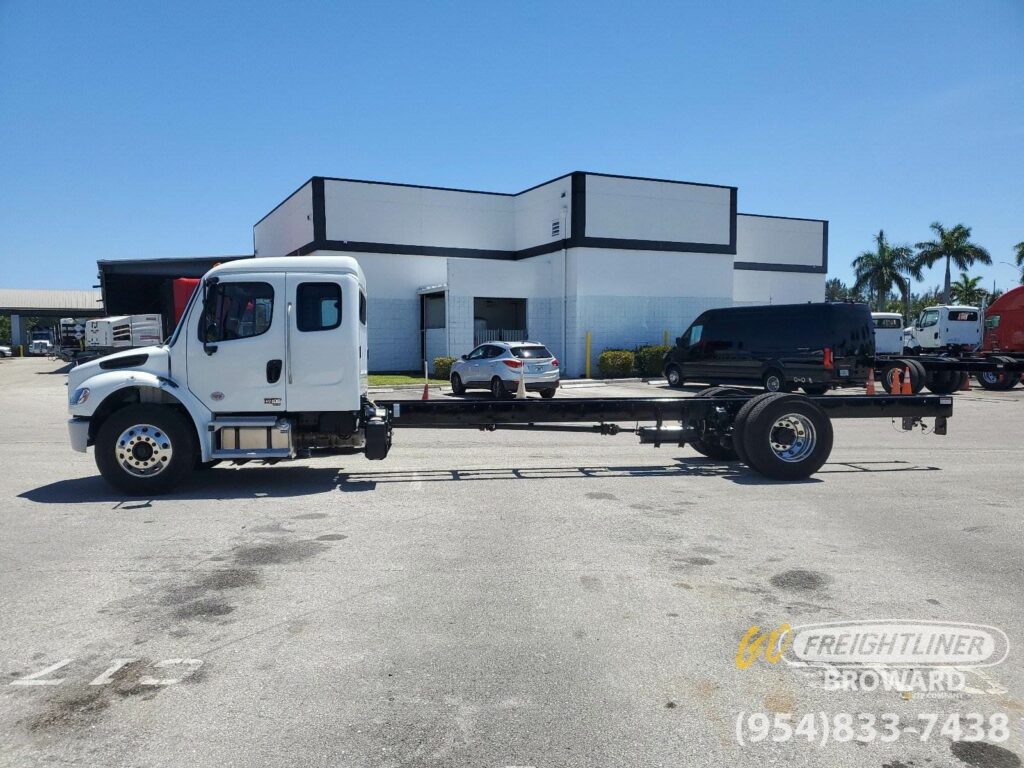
(758, 266)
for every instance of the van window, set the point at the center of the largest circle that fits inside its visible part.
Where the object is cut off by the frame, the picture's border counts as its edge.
(236, 311)
(888, 322)
(929, 318)
(318, 306)
(961, 316)
(696, 332)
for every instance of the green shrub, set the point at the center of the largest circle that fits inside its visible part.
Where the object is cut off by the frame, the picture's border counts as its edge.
(616, 363)
(443, 367)
(649, 360)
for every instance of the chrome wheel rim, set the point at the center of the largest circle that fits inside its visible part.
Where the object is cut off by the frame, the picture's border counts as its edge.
(143, 450)
(793, 437)
(673, 376)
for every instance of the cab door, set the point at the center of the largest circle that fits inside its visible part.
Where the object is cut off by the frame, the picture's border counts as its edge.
(236, 343)
(325, 348)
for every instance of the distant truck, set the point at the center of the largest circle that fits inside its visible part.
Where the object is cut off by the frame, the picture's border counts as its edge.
(946, 328)
(888, 333)
(1004, 323)
(41, 341)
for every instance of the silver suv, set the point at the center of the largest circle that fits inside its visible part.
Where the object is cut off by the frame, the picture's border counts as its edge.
(498, 365)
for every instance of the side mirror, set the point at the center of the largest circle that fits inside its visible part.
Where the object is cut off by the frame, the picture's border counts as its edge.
(211, 333)
(465, 357)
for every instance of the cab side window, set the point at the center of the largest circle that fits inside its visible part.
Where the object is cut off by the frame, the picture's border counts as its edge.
(318, 306)
(236, 311)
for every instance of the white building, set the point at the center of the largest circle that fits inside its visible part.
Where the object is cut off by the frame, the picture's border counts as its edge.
(628, 259)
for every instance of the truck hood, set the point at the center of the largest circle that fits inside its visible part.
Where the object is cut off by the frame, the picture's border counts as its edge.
(153, 360)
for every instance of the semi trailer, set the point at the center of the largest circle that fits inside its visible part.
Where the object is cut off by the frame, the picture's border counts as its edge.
(269, 363)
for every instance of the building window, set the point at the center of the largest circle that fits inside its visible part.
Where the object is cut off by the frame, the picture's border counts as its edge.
(236, 311)
(319, 306)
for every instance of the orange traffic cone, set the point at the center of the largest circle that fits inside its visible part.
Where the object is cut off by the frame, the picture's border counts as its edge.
(894, 381)
(965, 384)
(426, 392)
(871, 381)
(908, 387)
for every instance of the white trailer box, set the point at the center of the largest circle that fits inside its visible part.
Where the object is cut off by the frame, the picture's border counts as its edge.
(888, 333)
(124, 332)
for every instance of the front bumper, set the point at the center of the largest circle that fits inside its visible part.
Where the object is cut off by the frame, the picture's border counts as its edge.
(78, 432)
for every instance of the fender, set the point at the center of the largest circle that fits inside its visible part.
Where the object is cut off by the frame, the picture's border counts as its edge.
(152, 388)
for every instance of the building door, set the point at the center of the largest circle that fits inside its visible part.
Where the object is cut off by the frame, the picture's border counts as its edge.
(499, 320)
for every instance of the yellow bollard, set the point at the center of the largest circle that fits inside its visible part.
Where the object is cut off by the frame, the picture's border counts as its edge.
(588, 355)
(664, 339)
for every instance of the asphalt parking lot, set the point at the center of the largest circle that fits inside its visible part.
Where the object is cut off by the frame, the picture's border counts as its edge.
(488, 599)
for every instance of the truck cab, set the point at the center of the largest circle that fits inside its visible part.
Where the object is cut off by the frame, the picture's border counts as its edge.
(944, 328)
(269, 359)
(1004, 323)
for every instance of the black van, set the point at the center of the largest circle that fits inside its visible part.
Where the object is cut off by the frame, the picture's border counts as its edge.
(781, 347)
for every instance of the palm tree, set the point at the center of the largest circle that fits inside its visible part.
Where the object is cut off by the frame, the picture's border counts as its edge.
(955, 246)
(1019, 258)
(878, 271)
(967, 291)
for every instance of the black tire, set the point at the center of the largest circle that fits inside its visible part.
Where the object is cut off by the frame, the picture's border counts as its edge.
(709, 446)
(164, 430)
(787, 437)
(997, 381)
(917, 381)
(740, 422)
(774, 381)
(458, 388)
(943, 382)
(674, 376)
(498, 390)
(888, 372)
(547, 394)
(815, 389)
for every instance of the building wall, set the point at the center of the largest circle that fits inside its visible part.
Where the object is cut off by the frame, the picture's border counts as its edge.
(629, 298)
(385, 213)
(652, 210)
(287, 227)
(777, 240)
(536, 209)
(539, 280)
(757, 287)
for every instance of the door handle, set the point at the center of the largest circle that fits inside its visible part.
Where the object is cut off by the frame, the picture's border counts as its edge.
(273, 371)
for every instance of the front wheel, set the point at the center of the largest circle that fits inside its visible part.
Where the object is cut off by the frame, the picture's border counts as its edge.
(547, 394)
(458, 388)
(145, 449)
(674, 376)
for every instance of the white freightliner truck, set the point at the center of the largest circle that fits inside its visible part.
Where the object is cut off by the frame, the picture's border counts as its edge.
(269, 362)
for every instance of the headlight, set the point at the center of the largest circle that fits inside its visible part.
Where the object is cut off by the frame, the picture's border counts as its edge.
(79, 396)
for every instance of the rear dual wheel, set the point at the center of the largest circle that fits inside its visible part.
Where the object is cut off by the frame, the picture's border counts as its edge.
(918, 376)
(709, 442)
(782, 436)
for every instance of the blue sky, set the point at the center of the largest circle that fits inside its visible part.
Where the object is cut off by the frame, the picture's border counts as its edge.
(155, 129)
